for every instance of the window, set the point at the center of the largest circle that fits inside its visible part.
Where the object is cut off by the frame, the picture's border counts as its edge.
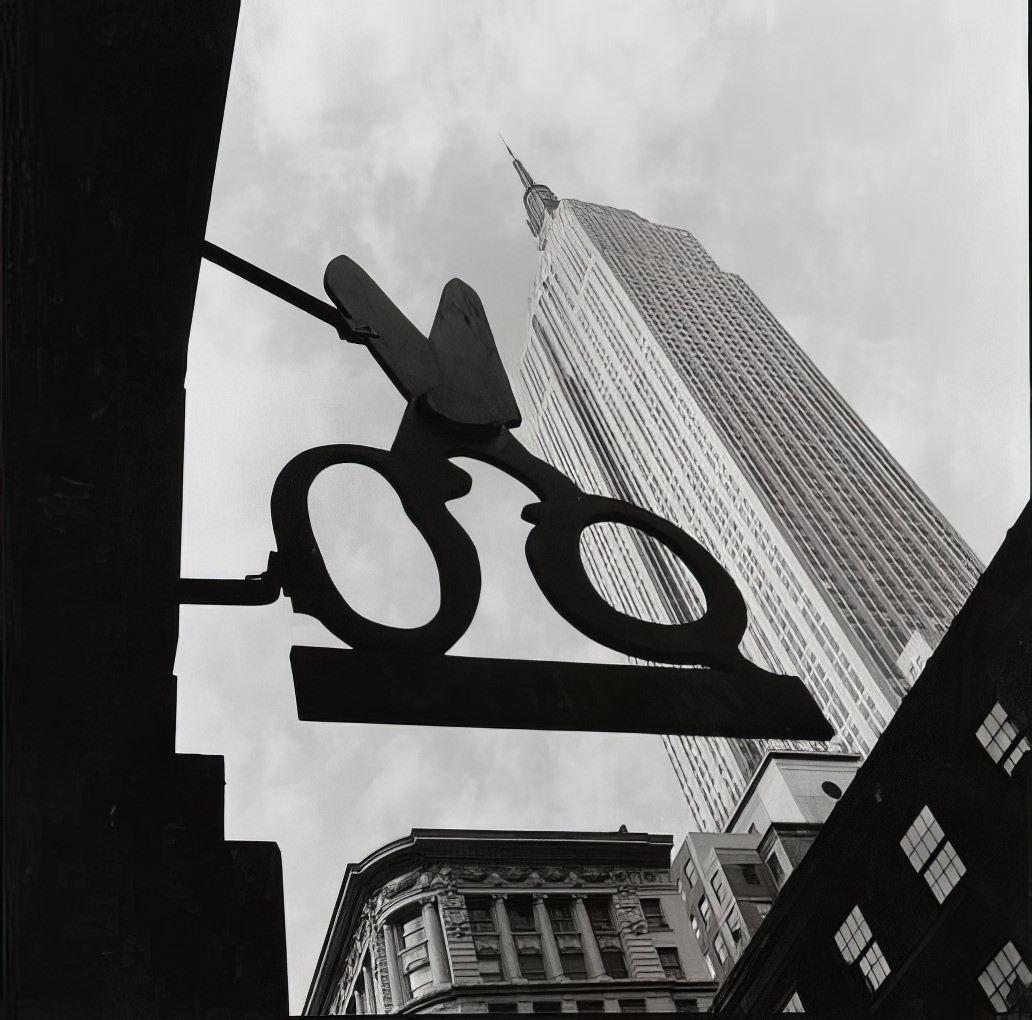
(560, 913)
(695, 925)
(573, 963)
(704, 908)
(599, 914)
(478, 909)
(1005, 978)
(932, 854)
(776, 869)
(521, 913)
(793, 1004)
(501, 1007)
(1000, 737)
(709, 965)
(631, 1005)
(532, 964)
(590, 1006)
(685, 1005)
(721, 947)
(413, 958)
(856, 944)
(718, 885)
(547, 1007)
(751, 874)
(734, 924)
(690, 872)
(670, 962)
(653, 911)
(489, 963)
(613, 963)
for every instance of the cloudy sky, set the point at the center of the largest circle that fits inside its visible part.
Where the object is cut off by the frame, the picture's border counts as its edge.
(862, 165)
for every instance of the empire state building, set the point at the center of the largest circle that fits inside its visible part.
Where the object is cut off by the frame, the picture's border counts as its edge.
(652, 375)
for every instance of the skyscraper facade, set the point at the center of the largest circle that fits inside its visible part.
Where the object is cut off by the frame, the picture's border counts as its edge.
(652, 375)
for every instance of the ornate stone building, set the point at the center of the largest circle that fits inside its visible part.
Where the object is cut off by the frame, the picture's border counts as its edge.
(472, 921)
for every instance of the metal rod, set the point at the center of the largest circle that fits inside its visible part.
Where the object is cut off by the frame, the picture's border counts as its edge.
(322, 310)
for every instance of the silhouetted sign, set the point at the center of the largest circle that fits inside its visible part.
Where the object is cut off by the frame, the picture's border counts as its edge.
(460, 404)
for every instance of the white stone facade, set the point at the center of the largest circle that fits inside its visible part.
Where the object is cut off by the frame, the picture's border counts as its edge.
(651, 375)
(478, 922)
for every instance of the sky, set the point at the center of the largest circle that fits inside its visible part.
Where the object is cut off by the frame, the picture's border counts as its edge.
(862, 165)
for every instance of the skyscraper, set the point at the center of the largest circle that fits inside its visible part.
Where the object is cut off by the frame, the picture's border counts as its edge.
(652, 375)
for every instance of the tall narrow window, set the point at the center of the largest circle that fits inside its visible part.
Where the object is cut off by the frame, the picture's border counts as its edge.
(793, 1005)
(721, 947)
(532, 965)
(599, 914)
(1000, 737)
(857, 945)
(613, 963)
(932, 854)
(670, 961)
(690, 873)
(413, 958)
(478, 909)
(572, 960)
(1005, 978)
(704, 908)
(521, 913)
(560, 913)
(489, 963)
(652, 908)
(718, 886)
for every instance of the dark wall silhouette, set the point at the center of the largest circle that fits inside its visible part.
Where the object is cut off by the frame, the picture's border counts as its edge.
(121, 898)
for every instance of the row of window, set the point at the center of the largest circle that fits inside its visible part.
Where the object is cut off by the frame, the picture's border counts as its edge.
(522, 919)
(681, 1005)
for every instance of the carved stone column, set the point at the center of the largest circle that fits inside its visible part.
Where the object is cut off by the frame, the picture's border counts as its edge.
(549, 949)
(436, 948)
(368, 989)
(398, 991)
(592, 957)
(510, 959)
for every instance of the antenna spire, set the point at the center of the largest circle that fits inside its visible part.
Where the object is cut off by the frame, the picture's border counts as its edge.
(525, 179)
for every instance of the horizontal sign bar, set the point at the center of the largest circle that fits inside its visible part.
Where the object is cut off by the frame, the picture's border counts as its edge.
(342, 685)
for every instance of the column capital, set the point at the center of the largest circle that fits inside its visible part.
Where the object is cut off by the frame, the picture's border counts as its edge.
(539, 897)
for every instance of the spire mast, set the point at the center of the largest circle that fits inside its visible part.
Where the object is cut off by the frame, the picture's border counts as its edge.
(525, 179)
(538, 199)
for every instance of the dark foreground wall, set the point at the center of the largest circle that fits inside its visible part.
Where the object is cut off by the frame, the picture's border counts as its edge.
(929, 756)
(121, 898)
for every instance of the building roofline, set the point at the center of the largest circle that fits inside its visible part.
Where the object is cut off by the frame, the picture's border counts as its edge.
(629, 849)
(782, 756)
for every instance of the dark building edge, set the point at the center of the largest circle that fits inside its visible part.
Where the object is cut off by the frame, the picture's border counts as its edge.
(928, 756)
(121, 897)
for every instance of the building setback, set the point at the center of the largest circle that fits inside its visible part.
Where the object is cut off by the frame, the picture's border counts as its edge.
(472, 921)
(652, 375)
(728, 880)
